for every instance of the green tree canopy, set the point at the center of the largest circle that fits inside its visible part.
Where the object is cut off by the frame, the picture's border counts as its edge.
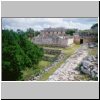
(30, 33)
(17, 53)
(70, 31)
(94, 25)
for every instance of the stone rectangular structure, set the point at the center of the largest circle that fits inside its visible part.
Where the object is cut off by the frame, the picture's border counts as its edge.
(54, 37)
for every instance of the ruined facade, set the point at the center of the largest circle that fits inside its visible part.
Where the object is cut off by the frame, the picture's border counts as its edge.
(90, 35)
(85, 38)
(58, 37)
(54, 37)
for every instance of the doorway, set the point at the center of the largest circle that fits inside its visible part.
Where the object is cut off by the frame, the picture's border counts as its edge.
(81, 41)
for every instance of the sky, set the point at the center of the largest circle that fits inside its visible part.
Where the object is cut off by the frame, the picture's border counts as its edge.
(40, 23)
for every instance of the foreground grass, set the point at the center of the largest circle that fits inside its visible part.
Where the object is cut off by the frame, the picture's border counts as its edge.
(46, 75)
(43, 64)
(68, 52)
(29, 72)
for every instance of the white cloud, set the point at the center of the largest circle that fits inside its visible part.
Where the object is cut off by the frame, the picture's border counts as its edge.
(40, 23)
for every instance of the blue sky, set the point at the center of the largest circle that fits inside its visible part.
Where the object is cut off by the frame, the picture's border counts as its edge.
(40, 23)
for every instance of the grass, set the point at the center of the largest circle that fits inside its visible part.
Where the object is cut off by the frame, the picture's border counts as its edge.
(83, 77)
(43, 64)
(68, 52)
(28, 72)
(93, 51)
(46, 75)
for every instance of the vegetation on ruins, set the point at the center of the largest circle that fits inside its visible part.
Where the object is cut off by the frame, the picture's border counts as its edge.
(17, 54)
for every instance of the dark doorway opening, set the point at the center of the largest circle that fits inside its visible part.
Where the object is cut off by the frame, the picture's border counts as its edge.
(81, 41)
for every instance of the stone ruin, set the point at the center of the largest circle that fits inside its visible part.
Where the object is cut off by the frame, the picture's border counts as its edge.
(53, 37)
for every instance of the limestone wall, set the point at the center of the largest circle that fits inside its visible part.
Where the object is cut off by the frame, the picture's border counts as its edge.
(76, 39)
(52, 41)
(70, 41)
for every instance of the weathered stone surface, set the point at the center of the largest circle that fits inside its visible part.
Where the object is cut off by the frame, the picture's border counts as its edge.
(54, 38)
(67, 71)
(86, 63)
(90, 66)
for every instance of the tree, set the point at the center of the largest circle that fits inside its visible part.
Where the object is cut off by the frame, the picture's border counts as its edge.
(30, 33)
(37, 33)
(70, 32)
(17, 53)
(20, 31)
(94, 26)
(33, 51)
(12, 55)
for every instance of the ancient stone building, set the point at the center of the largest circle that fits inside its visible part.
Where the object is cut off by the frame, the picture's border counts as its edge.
(54, 37)
(87, 36)
(58, 37)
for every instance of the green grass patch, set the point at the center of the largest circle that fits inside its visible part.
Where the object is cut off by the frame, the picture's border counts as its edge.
(29, 72)
(46, 75)
(26, 73)
(43, 64)
(71, 49)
